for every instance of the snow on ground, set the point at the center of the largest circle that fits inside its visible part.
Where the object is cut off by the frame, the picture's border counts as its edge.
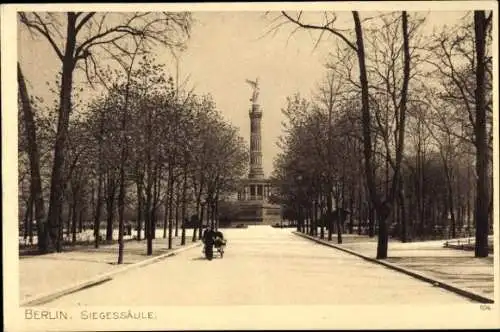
(45, 273)
(88, 236)
(457, 266)
(262, 266)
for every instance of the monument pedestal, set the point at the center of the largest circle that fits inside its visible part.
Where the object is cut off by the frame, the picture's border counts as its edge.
(253, 207)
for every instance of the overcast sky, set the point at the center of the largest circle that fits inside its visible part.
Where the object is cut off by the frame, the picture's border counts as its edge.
(225, 49)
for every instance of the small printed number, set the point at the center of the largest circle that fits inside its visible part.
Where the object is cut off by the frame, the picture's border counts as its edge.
(485, 307)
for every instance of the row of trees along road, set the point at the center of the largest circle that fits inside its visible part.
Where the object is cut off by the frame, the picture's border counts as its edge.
(399, 132)
(142, 144)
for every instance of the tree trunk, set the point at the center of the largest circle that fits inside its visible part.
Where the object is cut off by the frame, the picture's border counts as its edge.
(396, 215)
(209, 213)
(482, 194)
(97, 219)
(361, 212)
(69, 219)
(177, 213)
(43, 226)
(59, 239)
(202, 210)
(154, 218)
(199, 208)
(73, 221)
(184, 207)
(297, 217)
(434, 215)
(139, 210)
(383, 208)
(170, 210)
(100, 183)
(154, 205)
(148, 215)
(449, 196)
(156, 197)
(216, 210)
(371, 220)
(307, 223)
(57, 178)
(168, 205)
(177, 207)
(30, 225)
(420, 191)
(121, 206)
(110, 204)
(383, 235)
(151, 230)
(351, 209)
(329, 213)
(453, 228)
(403, 218)
(490, 211)
(307, 219)
(148, 231)
(196, 224)
(322, 228)
(213, 212)
(310, 218)
(28, 217)
(460, 219)
(366, 119)
(81, 213)
(165, 215)
(300, 222)
(340, 223)
(315, 218)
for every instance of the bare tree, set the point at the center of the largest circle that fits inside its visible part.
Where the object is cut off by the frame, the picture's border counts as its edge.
(86, 34)
(383, 206)
(34, 158)
(127, 67)
(463, 63)
(481, 23)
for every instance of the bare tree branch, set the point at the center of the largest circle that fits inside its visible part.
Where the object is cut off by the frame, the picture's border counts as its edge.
(83, 21)
(319, 27)
(41, 28)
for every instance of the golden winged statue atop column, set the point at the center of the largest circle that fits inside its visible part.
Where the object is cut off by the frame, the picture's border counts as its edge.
(255, 86)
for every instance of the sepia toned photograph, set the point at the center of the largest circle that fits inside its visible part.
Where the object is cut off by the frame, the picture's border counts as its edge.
(250, 166)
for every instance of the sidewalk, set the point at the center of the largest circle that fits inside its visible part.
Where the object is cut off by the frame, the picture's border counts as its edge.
(458, 268)
(51, 272)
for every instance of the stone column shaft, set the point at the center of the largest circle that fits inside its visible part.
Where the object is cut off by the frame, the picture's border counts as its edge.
(256, 171)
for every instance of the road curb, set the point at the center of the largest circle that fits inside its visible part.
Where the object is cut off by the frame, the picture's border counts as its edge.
(469, 293)
(99, 279)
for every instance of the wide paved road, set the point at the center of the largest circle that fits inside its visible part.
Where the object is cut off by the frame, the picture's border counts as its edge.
(262, 266)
